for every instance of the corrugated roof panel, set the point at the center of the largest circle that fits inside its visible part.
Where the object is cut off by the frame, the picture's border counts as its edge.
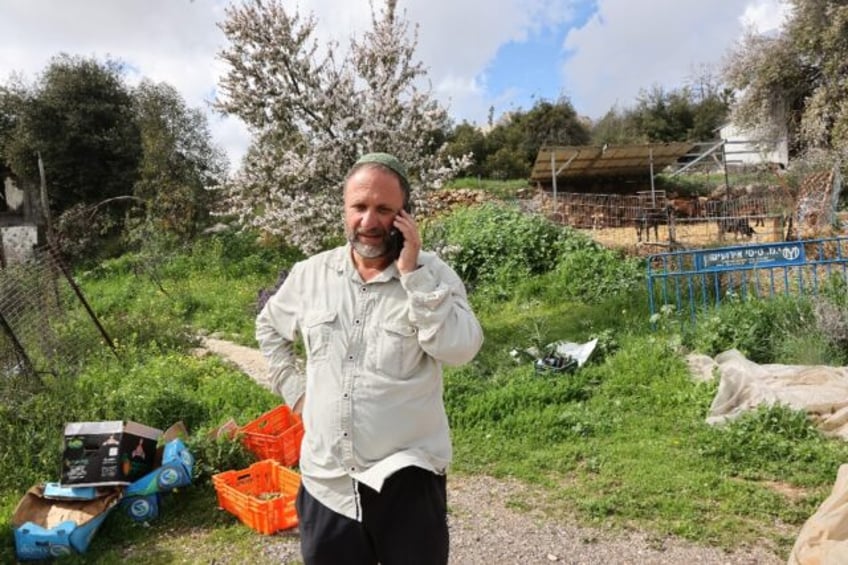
(611, 160)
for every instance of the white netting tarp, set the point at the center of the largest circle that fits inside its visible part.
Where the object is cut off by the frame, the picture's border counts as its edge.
(820, 391)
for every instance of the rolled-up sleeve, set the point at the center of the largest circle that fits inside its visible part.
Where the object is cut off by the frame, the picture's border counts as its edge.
(448, 330)
(276, 327)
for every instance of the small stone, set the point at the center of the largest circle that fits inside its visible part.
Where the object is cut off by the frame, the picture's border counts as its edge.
(552, 557)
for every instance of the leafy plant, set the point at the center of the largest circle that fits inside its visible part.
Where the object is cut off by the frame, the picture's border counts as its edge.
(773, 442)
(214, 453)
(754, 326)
(494, 242)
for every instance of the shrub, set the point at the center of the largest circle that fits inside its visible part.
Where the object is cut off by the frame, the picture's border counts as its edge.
(498, 243)
(590, 274)
(756, 327)
(488, 243)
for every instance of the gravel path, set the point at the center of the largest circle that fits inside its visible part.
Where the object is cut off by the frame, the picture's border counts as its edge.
(484, 529)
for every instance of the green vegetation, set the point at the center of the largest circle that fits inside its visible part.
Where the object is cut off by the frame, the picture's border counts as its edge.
(502, 189)
(622, 442)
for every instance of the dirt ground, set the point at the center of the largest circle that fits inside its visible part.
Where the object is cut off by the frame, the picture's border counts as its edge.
(688, 234)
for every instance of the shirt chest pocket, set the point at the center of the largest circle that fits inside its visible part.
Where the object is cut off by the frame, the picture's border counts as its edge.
(318, 334)
(397, 351)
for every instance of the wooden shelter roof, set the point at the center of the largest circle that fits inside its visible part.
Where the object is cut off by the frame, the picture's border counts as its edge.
(583, 161)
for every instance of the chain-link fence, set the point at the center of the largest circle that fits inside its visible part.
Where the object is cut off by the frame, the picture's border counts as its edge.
(46, 325)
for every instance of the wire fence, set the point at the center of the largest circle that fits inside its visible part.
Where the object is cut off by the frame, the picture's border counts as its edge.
(46, 325)
(643, 222)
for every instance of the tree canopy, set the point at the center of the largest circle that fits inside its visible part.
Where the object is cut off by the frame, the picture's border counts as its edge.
(79, 118)
(103, 142)
(795, 80)
(313, 109)
(509, 148)
(694, 112)
(180, 164)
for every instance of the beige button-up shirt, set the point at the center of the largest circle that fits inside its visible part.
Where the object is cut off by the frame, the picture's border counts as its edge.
(373, 379)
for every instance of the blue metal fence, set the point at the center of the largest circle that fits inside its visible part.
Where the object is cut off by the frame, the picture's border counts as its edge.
(694, 280)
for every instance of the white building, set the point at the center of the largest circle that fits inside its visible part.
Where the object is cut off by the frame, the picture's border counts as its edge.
(747, 147)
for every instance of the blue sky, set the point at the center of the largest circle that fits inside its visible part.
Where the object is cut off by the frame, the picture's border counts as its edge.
(479, 53)
(510, 71)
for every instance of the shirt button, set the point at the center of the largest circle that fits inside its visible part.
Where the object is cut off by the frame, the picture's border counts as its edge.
(345, 434)
(353, 468)
(356, 322)
(350, 357)
(363, 289)
(345, 395)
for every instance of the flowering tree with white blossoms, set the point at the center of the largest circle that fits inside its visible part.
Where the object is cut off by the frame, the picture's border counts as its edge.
(313, 112)
(796, 78)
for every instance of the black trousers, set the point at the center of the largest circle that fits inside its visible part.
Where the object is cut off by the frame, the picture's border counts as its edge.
(403, 524)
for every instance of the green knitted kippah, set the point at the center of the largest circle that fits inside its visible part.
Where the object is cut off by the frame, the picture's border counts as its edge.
(387, 160)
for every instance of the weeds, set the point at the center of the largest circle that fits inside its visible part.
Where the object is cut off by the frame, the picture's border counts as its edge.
(622, 441)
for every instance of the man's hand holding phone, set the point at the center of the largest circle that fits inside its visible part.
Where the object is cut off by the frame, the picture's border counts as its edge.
(407, 259)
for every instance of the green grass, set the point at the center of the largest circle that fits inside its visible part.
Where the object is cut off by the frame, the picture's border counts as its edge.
(624, 444)
(621, 443)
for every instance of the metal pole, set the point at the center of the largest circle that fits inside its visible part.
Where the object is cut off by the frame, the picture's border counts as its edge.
(82, 299)
(553, 178)
(653, 194)
(16, 345)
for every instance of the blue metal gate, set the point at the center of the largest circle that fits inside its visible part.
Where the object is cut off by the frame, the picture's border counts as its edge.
(697, 279)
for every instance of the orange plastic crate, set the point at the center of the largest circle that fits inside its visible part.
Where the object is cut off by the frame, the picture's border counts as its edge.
(261, 496)
(276, 434)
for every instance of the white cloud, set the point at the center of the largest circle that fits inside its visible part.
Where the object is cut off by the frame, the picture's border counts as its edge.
(765, 15)
(458, 40)
(173, 41)
(624, 47)
(629, 46)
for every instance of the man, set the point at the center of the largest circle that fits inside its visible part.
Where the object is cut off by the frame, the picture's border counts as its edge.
(378, 318)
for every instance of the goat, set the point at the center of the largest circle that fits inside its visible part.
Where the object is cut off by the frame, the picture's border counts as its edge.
(694, 207)
(648, 218)
(597, 218)
(736, 226)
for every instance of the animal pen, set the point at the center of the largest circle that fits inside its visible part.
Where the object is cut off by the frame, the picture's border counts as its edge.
(644, 223)
(620, 206)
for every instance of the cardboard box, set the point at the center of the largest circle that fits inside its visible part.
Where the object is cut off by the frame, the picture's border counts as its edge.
(46, 528)
(142, 508)
(107, 453)
(143, 498)
(175, 472)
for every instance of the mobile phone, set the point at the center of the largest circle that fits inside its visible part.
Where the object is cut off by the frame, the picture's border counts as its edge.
(396, 238)
(395, 244)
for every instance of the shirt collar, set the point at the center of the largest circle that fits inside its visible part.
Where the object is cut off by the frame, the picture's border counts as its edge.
(343, 265)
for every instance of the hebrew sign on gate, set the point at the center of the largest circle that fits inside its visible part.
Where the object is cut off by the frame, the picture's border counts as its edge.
(752, 256)
(691, 281)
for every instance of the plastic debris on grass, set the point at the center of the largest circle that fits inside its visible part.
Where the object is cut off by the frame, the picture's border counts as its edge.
(557, 357)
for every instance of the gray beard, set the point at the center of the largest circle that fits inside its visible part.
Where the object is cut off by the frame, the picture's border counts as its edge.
(368, 251)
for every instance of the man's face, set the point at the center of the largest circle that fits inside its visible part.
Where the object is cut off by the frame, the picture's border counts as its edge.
(372, 199)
